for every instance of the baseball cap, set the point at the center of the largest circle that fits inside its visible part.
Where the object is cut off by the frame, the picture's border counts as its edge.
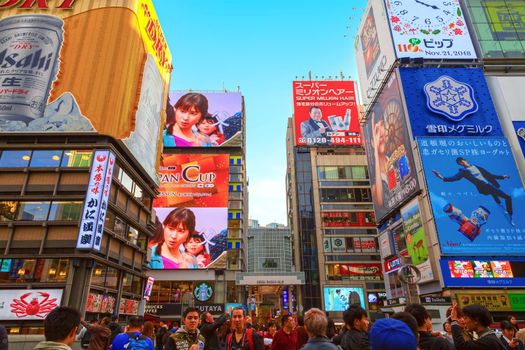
(391, 334)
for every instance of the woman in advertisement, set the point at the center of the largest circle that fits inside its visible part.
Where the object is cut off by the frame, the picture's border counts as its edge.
(176, 229)
(380, 191)
(181, 130)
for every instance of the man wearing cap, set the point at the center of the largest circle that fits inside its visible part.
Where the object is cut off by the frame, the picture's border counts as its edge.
(388, 333)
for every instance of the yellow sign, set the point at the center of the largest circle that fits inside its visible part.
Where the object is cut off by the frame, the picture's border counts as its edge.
(492, 300)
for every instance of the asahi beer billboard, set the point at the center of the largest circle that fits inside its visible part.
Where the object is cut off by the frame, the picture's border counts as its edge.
(59, 72)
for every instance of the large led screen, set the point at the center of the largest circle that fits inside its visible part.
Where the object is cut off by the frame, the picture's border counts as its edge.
(476, 194)
(192, 212)
(461, 272)
(340, 298)
(326, 114)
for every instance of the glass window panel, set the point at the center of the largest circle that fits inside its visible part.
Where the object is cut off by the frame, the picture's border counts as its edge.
(46, 158)
(33, 211)
(138, 192)
(133, 234)
(77, 159)
(120, 227)
(136, 286)
(98, 275)
(359, 172)
(127, 182)
(127, 281)
(8, 210)
(55, 270)
(111, 278)
(331, 173)
(15, 159)
(67, 211)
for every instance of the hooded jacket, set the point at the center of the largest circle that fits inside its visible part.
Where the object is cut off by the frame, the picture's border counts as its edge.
(51, 345)
(182, 340)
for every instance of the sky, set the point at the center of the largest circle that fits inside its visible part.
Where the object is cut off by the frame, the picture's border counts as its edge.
(260, 48)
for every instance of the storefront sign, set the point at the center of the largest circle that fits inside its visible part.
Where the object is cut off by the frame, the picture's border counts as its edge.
(214, 309)
(203, 291)
(164, 309)
(128, 306)
(101, 303)
(393, 264)
(28, 304)
(436, 300)
(243, 280)
(493, 302)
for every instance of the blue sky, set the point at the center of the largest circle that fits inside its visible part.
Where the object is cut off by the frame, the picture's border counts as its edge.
(260, 47)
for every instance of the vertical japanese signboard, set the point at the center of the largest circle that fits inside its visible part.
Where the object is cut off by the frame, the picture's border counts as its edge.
(326, 114)
(95, 204)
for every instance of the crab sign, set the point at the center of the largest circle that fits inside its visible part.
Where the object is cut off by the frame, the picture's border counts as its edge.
(22, 308)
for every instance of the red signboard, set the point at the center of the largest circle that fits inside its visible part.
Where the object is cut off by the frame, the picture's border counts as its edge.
(326, 114)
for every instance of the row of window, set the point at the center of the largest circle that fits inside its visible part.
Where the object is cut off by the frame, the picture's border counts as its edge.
(45, 158)
(40, 211)
(108, 277)
(342, 172)
(345, 195)
(346, 219)
(33, 270)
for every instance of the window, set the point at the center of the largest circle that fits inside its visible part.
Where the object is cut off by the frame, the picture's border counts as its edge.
(15, 159)
(46, 158)
(77, 159)
(33, 211)
(342, 172)
(133, 234)
(55, 270)
(8, 210)
(120, 227)
(65, 211)
(98, 275)
(126, 181)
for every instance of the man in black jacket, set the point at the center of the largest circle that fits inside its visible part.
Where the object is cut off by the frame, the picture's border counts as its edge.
(356, 335)
(427, 341)
(209, 328)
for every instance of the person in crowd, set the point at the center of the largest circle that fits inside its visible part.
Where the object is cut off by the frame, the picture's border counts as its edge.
(269, 334)
(223, 332)
(286, 337)
(177, 227)
(207, 126)
(521, 335)
(513, 321)
(477, 319)
(209, 328)
(114, 327)
(356, 323)
(468, 335)
(195, 247)
(99, 334)
(315, 129)
(148, 330)
(392, 334)
(447, 328)
(60, 329)
(409, 320)
(427, 340)
(330, 329)
(4, 342)
(187, 337)
(302, 335)
(242, 337)
(133, 338)
(159, 336)
(189, 110)
(316, 322)
(508, 336)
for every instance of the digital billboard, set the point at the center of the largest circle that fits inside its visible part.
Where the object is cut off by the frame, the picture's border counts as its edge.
(326, 113)
(429, 31)
(503, 272)
(415, 239)
(373, 50)
(500, 27)
(449, 102)
(192, 212)
(389, 151)
(61, 73)
(203, 119)
(340, 298)
(28, 304)
(477, 196)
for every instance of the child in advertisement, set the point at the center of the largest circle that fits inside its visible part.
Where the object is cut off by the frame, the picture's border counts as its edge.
(195, 246)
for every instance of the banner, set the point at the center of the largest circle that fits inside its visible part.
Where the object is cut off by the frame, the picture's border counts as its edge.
(449, 102)
(204, 119)
(192, 209)
(467, 272)
(101, 303)
(477, 197)
(28, 304)
(389, 151)
(340, 298)
(416, 239)
(326, 114)
(117, 86)
(429, 31)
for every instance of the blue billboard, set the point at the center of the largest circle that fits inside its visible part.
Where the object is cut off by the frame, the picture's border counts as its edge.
(476, 194)
(519, 127)
(449, 102)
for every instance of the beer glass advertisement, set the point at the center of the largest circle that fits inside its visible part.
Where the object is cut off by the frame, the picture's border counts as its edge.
(429, 31)
(326, 114)
(500, 26)
(192, 212)
(53, 87)
(203, 119)
(476, 194)
(449, 102)
(340, 298)
(389, 151)
(415, 239)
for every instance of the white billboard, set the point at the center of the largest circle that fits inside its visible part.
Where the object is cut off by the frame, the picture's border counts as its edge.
(373, 49)
(28, 304)
(429, 29)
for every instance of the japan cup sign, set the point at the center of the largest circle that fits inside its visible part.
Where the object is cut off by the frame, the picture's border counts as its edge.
(28, 304)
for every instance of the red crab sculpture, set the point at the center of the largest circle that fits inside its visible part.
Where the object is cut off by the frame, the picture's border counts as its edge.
(22, 308)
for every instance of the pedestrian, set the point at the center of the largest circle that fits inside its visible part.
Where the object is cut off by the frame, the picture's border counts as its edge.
(316, 322)
(242, 338)
(355, 336)
(267, 336)
(114, 327)
(478, 319)
(159, 342)
(508, 337)
(60, 328)
(392, 334)
(99, 334)
(447, 328)
(4, 342)
(149, 330)
(133, 337)
(427, 340)
(302, 336)
(513, 321)
(187, 337)
(286, 337)
(209, 328)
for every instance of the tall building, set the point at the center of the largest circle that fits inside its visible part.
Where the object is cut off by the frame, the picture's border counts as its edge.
(330, 207)
(77, 187)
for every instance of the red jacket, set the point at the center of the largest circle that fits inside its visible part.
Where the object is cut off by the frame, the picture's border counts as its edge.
(284, 341)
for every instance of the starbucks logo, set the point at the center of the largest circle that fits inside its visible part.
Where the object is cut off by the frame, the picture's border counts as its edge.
(203, 291)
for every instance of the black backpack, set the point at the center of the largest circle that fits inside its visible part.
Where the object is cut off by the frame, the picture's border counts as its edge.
(86, 338)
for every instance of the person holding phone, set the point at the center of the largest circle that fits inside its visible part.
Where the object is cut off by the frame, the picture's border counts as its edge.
(508, 337)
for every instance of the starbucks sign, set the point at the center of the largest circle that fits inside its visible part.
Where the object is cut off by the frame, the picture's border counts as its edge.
(203, 291)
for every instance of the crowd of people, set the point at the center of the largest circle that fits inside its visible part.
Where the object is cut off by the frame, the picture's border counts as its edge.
(465, 329)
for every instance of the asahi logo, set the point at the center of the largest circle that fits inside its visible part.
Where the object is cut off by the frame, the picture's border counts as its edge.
(35, 60)
(36, 4)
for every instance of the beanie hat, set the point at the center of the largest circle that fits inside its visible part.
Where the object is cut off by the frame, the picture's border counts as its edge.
(391, 334)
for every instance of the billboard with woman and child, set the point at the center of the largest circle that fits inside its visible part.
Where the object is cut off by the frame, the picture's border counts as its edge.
(192, 212)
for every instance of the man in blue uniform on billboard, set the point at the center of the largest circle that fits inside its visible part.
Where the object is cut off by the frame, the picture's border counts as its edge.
(315, 128)
(486, 183)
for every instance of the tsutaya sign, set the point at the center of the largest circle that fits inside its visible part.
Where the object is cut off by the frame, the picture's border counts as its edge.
(284, 279)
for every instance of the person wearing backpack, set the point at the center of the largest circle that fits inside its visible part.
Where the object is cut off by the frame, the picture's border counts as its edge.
(187, 337)
(242, 338)
(133, 338)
